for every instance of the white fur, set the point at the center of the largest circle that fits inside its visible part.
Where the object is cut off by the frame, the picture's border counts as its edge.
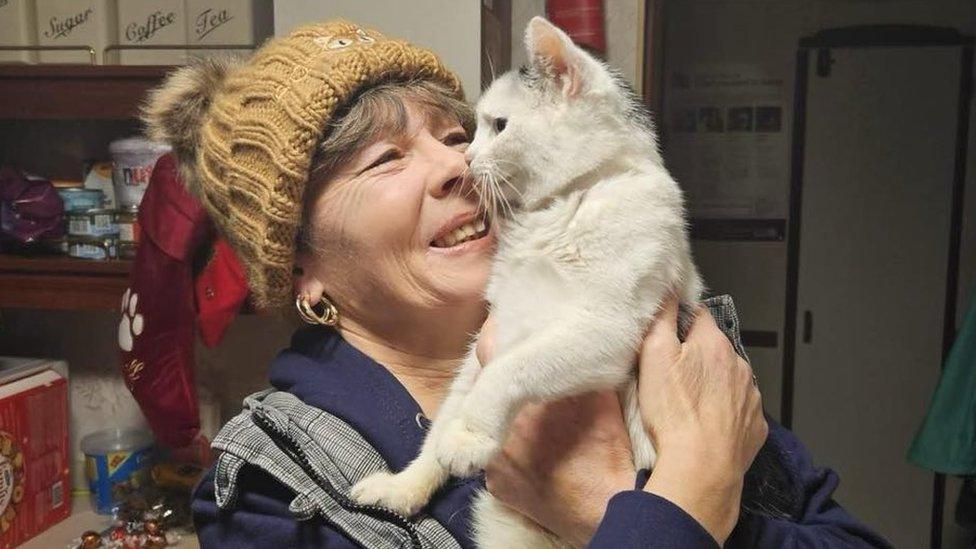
(592, 238)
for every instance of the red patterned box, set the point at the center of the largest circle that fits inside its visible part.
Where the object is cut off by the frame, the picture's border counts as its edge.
(33, 456)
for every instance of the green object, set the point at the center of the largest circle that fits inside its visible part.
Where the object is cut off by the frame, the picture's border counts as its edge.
(946, 442)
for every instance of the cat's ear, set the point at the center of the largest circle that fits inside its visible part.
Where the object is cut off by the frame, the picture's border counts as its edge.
(553, 54)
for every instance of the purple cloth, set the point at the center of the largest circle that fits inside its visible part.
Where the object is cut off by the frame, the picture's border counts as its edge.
(30, 208)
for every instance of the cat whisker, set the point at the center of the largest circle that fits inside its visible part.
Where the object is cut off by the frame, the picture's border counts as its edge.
(506, 205)
(508, 182)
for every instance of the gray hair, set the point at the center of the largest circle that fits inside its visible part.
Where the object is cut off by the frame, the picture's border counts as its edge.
(377, 110)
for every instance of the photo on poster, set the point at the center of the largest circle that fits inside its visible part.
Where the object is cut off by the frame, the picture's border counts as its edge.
(710, 120)
(740, 119)
(769, 119)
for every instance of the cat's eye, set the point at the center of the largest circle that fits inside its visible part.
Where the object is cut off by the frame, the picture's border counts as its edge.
(500, 124)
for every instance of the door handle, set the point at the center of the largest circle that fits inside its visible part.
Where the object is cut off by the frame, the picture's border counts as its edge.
(807, 326)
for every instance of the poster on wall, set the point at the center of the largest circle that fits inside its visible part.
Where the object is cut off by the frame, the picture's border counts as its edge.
(726, 141)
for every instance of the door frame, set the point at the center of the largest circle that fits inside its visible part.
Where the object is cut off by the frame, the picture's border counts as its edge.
(871, 36)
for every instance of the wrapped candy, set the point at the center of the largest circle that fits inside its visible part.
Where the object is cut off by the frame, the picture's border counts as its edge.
(91, 540)
(144, 533)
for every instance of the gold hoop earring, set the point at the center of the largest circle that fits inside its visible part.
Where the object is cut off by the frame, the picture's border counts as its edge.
(328, 317)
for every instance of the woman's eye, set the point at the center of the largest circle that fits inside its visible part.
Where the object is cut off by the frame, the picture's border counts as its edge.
(455, 139)
(500, 124)
(388, 156)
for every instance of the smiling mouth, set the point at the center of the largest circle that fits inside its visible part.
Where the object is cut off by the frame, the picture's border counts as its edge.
(475, 229)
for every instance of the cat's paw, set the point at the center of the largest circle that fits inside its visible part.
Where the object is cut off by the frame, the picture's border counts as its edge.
(396, 492)
(464, 450)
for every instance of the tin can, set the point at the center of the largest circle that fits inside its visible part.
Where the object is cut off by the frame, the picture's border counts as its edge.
(127, 250)
(94, 223)
(57, 245)
(117, 462)
(81, 200)
(86, 247)
(128, 223)
(66, 184)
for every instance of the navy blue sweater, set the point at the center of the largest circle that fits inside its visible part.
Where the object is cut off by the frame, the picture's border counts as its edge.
(324, 371)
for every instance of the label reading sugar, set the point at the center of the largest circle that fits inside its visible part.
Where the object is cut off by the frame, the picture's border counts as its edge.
(61, 27)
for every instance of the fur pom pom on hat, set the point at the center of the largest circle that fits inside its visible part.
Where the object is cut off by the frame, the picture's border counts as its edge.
(244, 131)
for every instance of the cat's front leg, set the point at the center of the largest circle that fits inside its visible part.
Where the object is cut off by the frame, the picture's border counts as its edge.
(409, 490)
(465, 448)
(564, 359)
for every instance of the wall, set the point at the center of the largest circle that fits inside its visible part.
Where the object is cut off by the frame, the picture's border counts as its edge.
(623, 28)
(765, 34)
(452, 28)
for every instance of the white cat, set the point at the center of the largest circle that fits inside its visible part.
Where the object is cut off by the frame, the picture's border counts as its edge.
(592, 238)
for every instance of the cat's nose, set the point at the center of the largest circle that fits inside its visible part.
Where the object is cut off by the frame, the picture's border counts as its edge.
(469, 155)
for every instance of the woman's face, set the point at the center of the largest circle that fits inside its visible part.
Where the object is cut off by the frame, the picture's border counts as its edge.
(396, 231)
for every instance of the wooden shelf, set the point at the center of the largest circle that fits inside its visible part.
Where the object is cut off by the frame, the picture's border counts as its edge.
(75, 91)
(57, 282)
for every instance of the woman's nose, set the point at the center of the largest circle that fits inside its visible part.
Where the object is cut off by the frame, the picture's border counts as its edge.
(449, 171)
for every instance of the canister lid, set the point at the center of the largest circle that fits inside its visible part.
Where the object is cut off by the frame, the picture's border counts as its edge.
(115, 440)
(137, 145)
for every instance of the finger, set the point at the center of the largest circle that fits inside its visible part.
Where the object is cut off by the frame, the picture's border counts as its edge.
(663, 333)
(703, 326)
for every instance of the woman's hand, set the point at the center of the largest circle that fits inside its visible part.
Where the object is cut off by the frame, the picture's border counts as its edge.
(562, 461)
(704, 413)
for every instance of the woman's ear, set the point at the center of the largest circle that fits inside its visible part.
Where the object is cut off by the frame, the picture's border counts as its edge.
(304, 278)
(553, 54)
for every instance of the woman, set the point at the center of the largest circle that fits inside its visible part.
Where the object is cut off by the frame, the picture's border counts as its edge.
(333, 161)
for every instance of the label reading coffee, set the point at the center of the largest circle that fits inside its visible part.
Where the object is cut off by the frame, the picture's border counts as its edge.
(156, 21)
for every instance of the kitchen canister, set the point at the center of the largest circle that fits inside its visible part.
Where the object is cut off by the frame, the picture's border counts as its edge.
(76, 23)
(133, 160)
(152, 23)
(18, 28)
(117, 463)
(230, 22)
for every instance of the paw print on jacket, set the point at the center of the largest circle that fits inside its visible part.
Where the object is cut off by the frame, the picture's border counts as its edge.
(132, 323)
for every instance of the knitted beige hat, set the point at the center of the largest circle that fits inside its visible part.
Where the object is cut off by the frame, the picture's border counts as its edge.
(244, 131)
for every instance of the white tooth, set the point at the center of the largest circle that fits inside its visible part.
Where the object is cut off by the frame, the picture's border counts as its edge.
(458, 234)
(480, 225)
(449, 240)
(469, 230)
